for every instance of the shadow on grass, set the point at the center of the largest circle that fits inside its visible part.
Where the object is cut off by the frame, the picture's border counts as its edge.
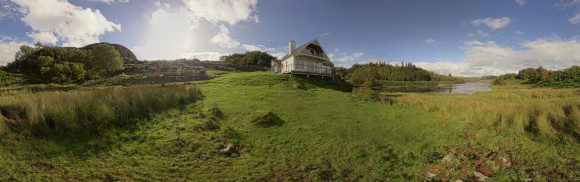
(265, 118)
(322, 82)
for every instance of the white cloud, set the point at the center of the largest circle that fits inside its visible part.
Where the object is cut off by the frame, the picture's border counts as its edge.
(353, 57)
(478, 33)
(73, 25)
(109, 1)
(204, 56)
(44, 37)
(217, 11)
(278, 55)
(521, 2)
(575, 19)
(251, 47)
(223, 38)
(8, 48)
(324, 34)
(564, 4)
(429, 41)
(331, 55)
(490, 58)
(492, 23)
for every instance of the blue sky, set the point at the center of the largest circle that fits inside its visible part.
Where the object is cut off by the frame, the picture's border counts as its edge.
(461, 37)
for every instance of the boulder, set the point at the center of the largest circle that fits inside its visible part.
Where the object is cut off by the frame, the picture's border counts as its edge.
(230, 150)
(479, 176)
(448, 157)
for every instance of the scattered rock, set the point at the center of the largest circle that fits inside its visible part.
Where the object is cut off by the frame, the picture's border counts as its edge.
(230, 150)
(505, 162)
(448, 157)
(479, 176)
(430, 175)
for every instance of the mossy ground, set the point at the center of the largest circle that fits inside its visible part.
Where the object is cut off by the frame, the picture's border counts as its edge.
(326, 134)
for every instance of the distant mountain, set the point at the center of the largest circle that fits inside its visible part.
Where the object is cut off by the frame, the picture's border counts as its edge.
(125, 52)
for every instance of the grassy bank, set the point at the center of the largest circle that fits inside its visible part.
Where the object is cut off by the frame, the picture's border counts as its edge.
(86, 112)
(321, 132)
(545, 113)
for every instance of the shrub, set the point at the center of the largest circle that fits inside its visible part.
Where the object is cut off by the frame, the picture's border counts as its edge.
(502, 78)
(89, 112)
(7, 79)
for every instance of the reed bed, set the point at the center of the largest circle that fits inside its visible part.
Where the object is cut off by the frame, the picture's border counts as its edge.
(87, 112)
(550, 113)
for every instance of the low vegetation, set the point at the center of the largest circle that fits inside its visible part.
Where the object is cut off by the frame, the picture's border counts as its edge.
(86, 112)
(540, 77)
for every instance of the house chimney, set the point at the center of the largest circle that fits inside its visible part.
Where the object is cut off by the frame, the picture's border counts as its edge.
(291, 46)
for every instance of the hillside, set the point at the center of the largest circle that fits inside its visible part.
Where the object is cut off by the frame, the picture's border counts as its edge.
(318, 132)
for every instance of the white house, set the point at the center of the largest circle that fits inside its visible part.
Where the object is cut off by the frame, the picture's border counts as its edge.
(308, 59)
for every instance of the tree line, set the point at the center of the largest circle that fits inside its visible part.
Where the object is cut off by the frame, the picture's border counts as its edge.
(545, 78)
(52, 64)
(249, 61)
(377, 74)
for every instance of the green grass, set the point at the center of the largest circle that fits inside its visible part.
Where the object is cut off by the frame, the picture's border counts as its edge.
(324, 133)
(86, 112)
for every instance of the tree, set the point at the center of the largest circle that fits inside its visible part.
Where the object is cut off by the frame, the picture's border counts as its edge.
(105, 60)
(253, 59)
(541, 76)
(65, 72)
(527, 74)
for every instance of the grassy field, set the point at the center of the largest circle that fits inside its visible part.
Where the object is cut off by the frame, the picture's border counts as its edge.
(321, 133)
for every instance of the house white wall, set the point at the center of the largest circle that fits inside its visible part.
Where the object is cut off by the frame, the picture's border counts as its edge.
(305, 66)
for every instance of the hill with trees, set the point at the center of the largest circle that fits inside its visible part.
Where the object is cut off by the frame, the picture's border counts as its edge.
(541, 77)
(52, 64)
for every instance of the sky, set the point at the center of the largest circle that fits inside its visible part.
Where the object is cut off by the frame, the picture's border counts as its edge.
(458, 37)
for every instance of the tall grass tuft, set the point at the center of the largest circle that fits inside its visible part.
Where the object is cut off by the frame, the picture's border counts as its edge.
(87, 112)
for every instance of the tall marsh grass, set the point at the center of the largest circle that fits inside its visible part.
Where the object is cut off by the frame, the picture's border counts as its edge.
(87, 112)
(549, 113)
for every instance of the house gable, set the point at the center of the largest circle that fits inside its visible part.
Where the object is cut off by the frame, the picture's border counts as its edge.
(306, 47)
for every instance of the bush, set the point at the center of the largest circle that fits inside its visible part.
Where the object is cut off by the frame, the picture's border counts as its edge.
(568, 78)
(88, 112)
(66, 72)
(502, 78)
(6, 79)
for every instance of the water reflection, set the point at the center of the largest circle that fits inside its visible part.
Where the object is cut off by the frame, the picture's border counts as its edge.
(467, 88)
(464, 88)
